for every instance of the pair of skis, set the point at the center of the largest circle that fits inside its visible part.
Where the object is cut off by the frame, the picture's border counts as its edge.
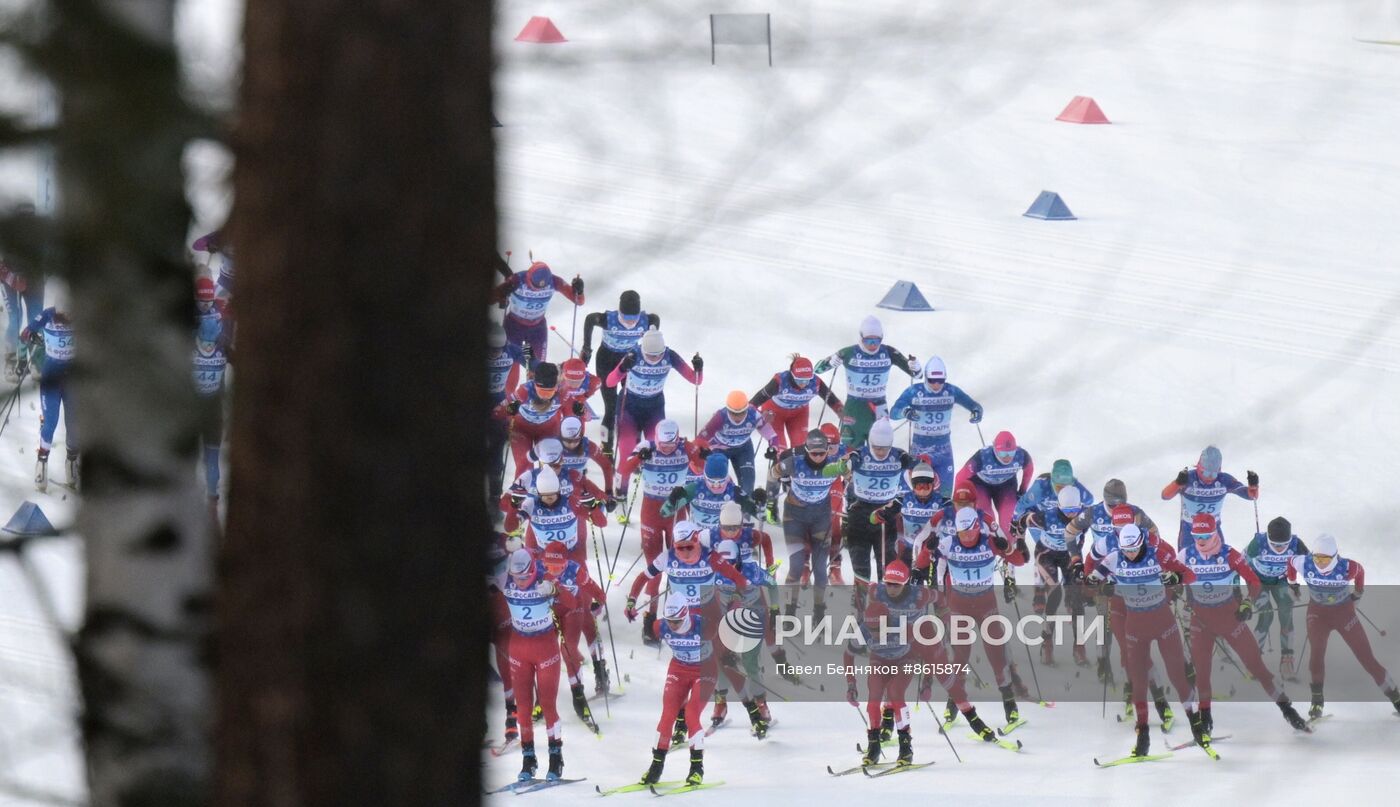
(879, 769)
(532, 786)
(672, 788)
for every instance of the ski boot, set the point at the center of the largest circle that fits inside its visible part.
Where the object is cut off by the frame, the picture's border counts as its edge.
(1164, 709)
(1286, 669)
(758, 726)
(1081, 658)
(818, 612)
(906, 748)
(697, 767)
(833, 573)
(680, 735)
(581, 707)
(1144, 740)
(602, 683)
(556, 761)
(982, 730)
(1394, 695)
(528, 765)
(762, 701)
(1008, 702)
(512, 728)
(721, 711)
(41, 471)
(1291, 715)
(658, 762)
(872, 747)
(1207, 720)
(773, 511)
(1198, 728)
(1315, 711)
(648, 625)
(886, 724)
(950, 713)
(73, 467)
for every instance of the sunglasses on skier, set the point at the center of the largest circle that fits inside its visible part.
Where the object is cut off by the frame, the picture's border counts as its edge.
(1322, 560)
(1006, 456)
(871, 341)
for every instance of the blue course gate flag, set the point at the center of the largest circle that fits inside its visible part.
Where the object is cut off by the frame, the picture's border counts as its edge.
(905, 296)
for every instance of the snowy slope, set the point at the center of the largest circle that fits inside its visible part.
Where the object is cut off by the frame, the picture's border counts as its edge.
(1231, 279)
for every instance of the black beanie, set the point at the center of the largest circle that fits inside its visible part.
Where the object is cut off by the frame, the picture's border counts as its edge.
(1280, 531)
(630, 303)
(546, 375)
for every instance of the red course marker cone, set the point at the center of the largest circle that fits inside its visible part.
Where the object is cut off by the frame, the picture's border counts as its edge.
(540, 30)
(1082, 109)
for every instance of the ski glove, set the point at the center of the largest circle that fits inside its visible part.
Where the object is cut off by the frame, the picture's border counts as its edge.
(1181, 477)
(513, 407)
(627, 362)
(771, 454)
(644, 452)
(976, 415)
(1245, 611)
(1252, 478)
(852, 694)
(698, 363)
(914, 367)
(576, 407)
(759, 496)
(630, 611)
(585, 354)
(577, 286)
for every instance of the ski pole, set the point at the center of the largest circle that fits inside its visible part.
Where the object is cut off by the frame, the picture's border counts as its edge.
(12, 405)
(979, 434)
(573, 328)
(607, 616)
(612, 565)
(941, 730)
(1029, 657)
(864, 721)
(1369, 622)
(829, 391)
(1103, 663)
(570, 344)
(1256, 515)
(696, 431)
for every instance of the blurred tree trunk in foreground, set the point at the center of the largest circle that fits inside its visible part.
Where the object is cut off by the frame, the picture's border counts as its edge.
(351, 624)
(142, 650)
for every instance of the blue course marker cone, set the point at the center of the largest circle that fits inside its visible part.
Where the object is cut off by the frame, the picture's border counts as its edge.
(29, 521)
(904, 296)
(1049, 206)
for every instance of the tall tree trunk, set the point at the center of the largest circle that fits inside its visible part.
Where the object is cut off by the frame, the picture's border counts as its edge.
(351, 631)
(141, 651)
